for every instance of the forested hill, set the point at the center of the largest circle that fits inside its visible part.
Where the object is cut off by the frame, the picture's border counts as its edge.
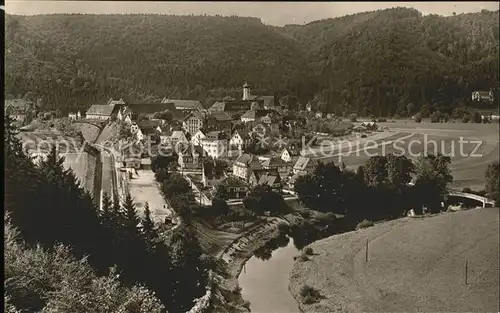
(374, 62)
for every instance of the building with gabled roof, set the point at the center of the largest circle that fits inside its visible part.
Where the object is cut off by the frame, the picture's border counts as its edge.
(233, 106)
(235, 187)
(100, 112)
(287, 154)
(112, 102)
(270, 177)
(239, 140)
(184, 105)
(197, 137)
(253, 115)
(483, 96)
(189, 157)
(245, 164)
(304, 165)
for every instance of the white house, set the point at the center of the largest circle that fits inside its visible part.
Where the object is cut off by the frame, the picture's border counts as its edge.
(197, 137)
(483, 96)
(100, 112)
(214, 148)
(238, 141)
(289, 154)
(178, 137)
(127, 119)
(244, 165)
(72, 116)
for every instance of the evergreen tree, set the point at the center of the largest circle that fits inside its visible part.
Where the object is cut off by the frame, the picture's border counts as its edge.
(148, 226)
(131, 218)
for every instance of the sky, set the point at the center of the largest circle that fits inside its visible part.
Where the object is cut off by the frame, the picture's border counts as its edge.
(272, 13)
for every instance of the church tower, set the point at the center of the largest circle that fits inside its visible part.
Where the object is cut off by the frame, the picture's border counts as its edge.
(246, 91)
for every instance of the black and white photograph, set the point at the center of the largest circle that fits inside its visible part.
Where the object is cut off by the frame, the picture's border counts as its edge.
(251, 157)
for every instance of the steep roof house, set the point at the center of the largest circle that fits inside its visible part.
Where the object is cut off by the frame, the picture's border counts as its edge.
(219, 120)
(112, 102)
(184, 105)
(235, 186)
(178, 136)
(232, 106)
(215, 144)
(270, 177)
(197, 137)
(483, 96)
(101, 112)
(190, 157)
(239, 141)
(253, 115)
(193, 122)
(287, 154)
(245, 164)
(211, 175)
(273, 162)
(304, 165)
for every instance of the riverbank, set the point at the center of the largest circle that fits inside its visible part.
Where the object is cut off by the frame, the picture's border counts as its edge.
(413, 264)
(227, 296)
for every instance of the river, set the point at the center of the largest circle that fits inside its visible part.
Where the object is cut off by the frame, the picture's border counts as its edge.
(264, 283)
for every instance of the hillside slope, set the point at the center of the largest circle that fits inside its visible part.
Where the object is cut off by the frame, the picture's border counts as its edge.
(370, 63)
(415, 265)
(91, 57)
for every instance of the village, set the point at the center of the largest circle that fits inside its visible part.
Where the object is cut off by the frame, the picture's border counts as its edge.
(229, 148)
(235, 145)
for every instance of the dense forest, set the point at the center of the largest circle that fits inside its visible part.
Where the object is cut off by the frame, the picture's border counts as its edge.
(63, 254)
(368, 63)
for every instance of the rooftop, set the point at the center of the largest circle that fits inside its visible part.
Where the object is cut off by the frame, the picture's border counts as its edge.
(184, 104)
(98, 109)
(232, 181)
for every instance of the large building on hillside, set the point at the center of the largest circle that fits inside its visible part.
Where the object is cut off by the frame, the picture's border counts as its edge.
(101, 112)
(248, 102)
(268, 102)
(211, 121)
(245, 164)
(19, 108)
(185, 105)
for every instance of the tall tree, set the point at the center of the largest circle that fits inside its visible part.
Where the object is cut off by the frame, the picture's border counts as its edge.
(492, 182)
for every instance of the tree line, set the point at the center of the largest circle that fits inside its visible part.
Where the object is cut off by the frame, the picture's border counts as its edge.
(368, 63)
(157, 269)
(386, 187)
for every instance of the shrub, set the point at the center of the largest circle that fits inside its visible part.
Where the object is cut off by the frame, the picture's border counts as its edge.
(309, 294)
(363, 136)
(381, 120)
(237, 290)
(283, 227)
(246, 304)
(303, 258)
(466, 118)
(305, 214)
(353, 118)
(364, 224)
(418, 119)
(436, 117)
(308, 251)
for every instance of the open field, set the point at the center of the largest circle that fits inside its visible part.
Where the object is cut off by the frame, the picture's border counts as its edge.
(415, 265)
(470, 158)
(143, 188)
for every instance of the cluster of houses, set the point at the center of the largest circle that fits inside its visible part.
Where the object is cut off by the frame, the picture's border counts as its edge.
(19, 109)
(196, 135)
